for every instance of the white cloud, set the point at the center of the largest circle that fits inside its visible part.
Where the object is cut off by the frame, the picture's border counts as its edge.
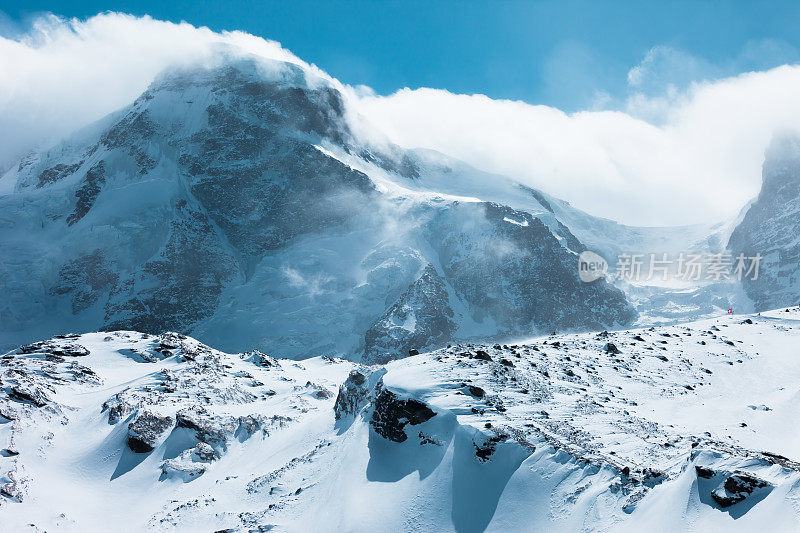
(699, 161)
(63, 74)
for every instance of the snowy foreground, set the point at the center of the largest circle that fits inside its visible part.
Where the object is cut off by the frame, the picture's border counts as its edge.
(691, 427)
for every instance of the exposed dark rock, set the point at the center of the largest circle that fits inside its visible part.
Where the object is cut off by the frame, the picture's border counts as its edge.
(219, 205)
(610, 347)
(32, 348)
(769, 228)
(117, 407)
(354, 393)
(178, 286)
(170, 340)
(57, 172)
(250, 424)
(482, 355)
(392, 414)
(87, 194)
(209, 428)
(426, 304)
(28, 393)
(476, 391)
(485, 450)
(261, 359)
(323, 394)
(526, 280)
(55, 347)
(736, 488)
(652, 477)
(85, 279)
(146, 429)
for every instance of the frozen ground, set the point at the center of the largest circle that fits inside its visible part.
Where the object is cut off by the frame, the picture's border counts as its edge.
(690, 427)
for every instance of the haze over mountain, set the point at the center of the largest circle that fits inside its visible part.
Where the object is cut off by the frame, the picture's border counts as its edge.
(234, 202)
(770, 225)
(689, 154)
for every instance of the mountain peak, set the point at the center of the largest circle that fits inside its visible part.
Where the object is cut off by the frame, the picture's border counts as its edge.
(262, 91)
(230, 66)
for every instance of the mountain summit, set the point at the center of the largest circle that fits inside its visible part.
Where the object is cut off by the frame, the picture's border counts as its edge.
(234, 202)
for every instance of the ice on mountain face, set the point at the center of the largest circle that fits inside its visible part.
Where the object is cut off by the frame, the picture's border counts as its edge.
(769, 227)
(178, 285)
(235, 203)
(520, 276)
(208, 206)
(420, 318)
(559, 433)
(198, 204)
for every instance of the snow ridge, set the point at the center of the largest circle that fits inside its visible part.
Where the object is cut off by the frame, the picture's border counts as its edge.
(672, 428)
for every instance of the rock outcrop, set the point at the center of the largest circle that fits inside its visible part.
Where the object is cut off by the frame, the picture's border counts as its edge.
(391, 414)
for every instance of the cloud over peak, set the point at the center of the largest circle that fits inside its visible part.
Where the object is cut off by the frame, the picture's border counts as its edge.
(61, 74)
(678, 151)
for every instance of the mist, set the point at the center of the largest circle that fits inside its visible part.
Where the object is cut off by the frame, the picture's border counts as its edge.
(691, 157)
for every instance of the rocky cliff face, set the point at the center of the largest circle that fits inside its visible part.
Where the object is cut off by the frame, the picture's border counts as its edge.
(771, 227)
(235, 203)
(421, 317)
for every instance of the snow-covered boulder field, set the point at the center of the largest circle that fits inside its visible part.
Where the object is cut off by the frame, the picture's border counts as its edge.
(689, 427)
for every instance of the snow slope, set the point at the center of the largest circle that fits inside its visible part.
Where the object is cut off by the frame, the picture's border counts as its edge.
(685, 427)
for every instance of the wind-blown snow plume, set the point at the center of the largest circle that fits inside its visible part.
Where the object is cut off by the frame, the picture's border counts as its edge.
(702, 163)
(699, 162)
(64, 74)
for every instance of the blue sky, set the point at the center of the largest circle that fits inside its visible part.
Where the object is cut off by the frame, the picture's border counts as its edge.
(573, 55)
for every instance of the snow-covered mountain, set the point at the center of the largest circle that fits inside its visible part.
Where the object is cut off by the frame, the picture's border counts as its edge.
(675, 428)
(771, 227)
(235, 203)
